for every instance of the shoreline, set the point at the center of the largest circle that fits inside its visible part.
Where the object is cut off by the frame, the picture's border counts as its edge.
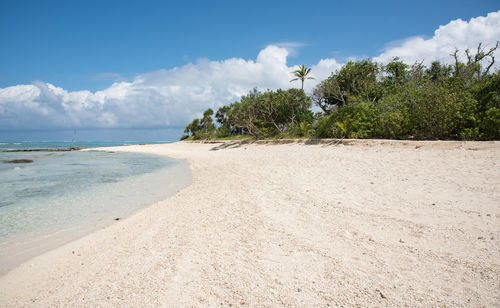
(86, 214)
(252, 229)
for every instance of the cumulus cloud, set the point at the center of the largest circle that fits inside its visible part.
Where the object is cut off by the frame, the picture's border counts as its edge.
(164, 98)
(457, 34)
(171, 98)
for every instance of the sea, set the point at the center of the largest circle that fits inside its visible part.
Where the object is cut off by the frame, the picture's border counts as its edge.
(49, 198)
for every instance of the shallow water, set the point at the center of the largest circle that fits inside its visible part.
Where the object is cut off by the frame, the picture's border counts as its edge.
(61, 196)
(59, 145)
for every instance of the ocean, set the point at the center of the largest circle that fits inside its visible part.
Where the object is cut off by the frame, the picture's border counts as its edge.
(50, 198)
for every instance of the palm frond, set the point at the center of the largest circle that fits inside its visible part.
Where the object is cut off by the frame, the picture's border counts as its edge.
(302, 73)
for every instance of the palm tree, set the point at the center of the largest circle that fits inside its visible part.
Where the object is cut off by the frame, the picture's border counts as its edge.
(301, 74)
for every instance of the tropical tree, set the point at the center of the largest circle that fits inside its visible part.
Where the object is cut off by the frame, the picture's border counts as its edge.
(192, 128)
(206, 122)
(365, 99)
(301, 74)
(354, 82)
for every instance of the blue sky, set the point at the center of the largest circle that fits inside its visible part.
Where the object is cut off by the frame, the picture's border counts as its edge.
(111, 45)
(87, 44)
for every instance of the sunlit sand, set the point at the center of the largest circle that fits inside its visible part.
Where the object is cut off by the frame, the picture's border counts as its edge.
(371, 223)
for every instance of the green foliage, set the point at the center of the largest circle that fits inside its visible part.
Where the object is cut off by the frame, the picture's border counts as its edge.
(365, 100)
(325, 126)
(203, 128)
(268, 114)
(368, 100)
(488, 108)
(491, 124)
(356, 120)
(393, 117)
(191, 129)
(223, 131)
(355, 82)
(306, 129)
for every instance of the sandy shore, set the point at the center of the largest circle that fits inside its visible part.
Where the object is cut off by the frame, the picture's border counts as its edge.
(370, 224)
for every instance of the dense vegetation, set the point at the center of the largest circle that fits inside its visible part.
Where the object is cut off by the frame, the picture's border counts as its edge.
(365, 99)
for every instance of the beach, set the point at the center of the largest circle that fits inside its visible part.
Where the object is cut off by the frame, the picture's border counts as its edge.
(351, 223)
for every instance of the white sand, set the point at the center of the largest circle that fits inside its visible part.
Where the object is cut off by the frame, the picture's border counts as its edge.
(370, 224)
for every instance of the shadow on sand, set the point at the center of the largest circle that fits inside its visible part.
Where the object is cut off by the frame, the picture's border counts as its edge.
(239, 143)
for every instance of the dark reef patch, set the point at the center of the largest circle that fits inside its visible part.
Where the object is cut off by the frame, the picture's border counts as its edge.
(18, 161)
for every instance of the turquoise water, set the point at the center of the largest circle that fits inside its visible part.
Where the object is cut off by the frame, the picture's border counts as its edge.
(59, 145)
(61, 196)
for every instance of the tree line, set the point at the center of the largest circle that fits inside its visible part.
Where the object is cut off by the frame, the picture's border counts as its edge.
(365, 99)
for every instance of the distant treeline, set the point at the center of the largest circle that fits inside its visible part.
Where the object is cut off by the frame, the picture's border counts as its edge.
(364, 99)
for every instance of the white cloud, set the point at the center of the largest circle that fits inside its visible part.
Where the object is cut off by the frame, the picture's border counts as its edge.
(164, 98)
(323, 70)
(172, 98)
(457, 34)
(291, 47)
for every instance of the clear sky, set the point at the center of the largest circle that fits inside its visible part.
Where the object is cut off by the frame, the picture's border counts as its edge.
(113, 46)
